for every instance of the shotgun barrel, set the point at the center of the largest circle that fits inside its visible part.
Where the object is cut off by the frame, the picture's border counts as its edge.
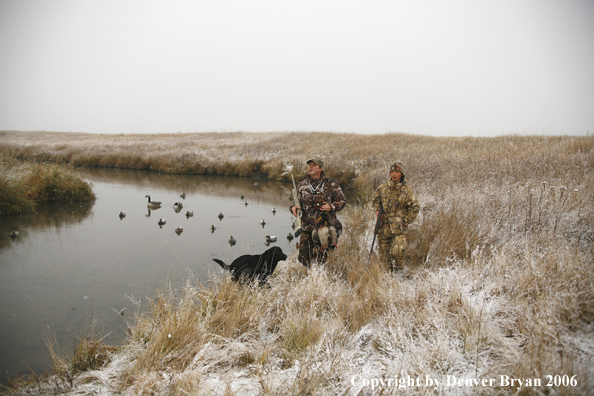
(296, 203)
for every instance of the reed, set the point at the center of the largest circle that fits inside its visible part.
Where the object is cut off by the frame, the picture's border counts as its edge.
(497, 280)
(22, 185)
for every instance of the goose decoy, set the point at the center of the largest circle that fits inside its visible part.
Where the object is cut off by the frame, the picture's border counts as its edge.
(232, 241)
(221, 216)
(290, 237)
(122, 215)
(152, 204)
(14, 234)
(183, 195)
(162, 222)
(179, 230)
(189, 214)
(270, 238)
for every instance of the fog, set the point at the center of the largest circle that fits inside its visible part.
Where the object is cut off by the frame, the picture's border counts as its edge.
(452, 68)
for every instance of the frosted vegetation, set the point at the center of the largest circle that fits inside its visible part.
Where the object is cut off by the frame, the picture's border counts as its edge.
(499, 277)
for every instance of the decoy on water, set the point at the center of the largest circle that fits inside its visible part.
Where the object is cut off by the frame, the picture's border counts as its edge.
(178, 205)
(293, 225)
(221, 216)
(152, 204)
(14, 234)
(183, 195)
(290, 237)
(212, 228)
(232, 241)
(242, 197)
(262, 222)
(122, 215)
(179, 230)
(273, 211)
(270, 238)
(162, 222)
(189, 214)
(246, 203)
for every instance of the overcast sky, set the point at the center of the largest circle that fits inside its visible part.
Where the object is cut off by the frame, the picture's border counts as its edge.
(456, 67)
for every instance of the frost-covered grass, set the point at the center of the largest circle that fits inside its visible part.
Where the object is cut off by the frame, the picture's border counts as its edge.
(23, 184)
(499, 281)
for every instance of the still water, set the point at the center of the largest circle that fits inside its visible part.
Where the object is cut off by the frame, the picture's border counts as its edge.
(75, 263)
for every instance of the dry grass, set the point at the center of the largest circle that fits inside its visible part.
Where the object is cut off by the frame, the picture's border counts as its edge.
(498, 277)
(22, 185)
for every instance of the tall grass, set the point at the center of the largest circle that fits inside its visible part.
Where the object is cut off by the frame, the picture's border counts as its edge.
(497, 281)
(22, 185)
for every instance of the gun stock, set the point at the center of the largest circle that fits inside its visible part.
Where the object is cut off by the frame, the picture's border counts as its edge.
(376, 230)
(296, 203)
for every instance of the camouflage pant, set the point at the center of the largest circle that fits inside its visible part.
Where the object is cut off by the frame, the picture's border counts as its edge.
(392, 245)
(308, 251)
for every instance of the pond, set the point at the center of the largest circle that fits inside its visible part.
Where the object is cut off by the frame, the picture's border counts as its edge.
(76, 263)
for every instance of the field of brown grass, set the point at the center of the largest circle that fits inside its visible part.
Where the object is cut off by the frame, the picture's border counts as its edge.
(499, 279)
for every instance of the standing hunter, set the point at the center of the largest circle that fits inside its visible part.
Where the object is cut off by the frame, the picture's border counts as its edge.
(319, 200)
(400, 208)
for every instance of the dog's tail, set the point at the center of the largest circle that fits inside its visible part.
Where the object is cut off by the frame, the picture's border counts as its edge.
(219, 262)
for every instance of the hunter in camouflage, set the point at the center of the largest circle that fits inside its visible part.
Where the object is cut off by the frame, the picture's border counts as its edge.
(319, 200)
(400, 208)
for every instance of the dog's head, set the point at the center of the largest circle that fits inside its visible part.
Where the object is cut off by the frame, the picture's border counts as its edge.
(276, 254)
(272, 256)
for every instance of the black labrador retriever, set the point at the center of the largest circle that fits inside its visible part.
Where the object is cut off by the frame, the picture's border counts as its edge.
(249, 267)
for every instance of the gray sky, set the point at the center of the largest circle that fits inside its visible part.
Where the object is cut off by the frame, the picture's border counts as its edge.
(456, 67)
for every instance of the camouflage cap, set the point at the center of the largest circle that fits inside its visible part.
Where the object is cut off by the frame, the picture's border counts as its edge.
(316, 160)
(397, 166)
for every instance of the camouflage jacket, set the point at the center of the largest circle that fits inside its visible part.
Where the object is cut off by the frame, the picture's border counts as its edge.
(312, 194)
(400, 205)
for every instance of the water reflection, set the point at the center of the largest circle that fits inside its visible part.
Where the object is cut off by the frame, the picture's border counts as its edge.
(56, 216)
(219, 186)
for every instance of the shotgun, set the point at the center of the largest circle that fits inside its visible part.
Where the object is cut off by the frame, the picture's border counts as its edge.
(296, 203)
(376, 230)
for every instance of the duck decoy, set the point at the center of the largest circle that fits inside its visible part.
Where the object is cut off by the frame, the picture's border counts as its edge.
(293, 225)
(270, 238)
(14, 234)
(183, 195)
(152, 204)
(290, 237)
(242, 197)
(212, 228)
(178, 205)
(179, 230)
(246, 203)
(122, 215)
(189, 214)
(297, 245)
(162, 222)
(232, 241)
(262, 222)
(221, 216)
(273, 211)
